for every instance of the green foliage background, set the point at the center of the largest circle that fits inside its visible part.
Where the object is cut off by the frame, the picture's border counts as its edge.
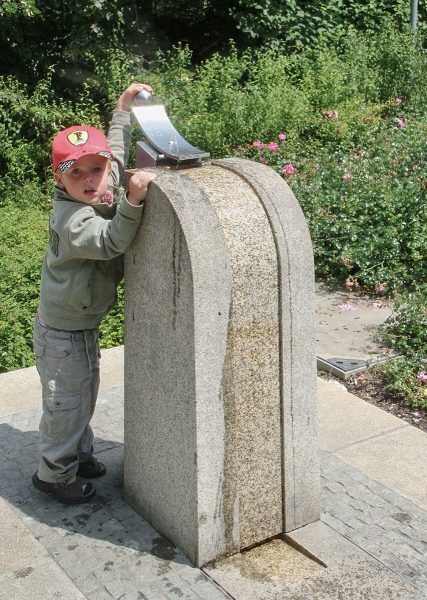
(35, 34)
(290, 65)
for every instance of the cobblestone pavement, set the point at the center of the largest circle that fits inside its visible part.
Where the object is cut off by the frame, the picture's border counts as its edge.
(108, 551)
(382, 523)
(105, 548)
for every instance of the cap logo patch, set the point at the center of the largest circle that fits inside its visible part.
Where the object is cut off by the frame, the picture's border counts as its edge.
(78, 138)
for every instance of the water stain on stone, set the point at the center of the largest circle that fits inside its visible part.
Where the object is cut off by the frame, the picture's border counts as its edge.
(82, 519)
(108, 565)
(273, 562)
(163, 549)
(21, 573)
(402, 517)
(163, 568)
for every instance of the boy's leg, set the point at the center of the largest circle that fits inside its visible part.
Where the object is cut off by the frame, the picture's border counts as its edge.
(65, 363)
(89, 467)
(85, 444)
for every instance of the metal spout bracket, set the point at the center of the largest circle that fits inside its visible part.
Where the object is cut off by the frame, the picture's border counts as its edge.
(163, 145)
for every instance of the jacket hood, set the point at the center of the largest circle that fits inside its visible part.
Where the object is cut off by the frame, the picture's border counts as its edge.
(105, 210)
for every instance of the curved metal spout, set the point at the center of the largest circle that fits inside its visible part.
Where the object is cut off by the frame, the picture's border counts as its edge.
(163, 144)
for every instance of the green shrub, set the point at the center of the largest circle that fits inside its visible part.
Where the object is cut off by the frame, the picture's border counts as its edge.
(23, 241)
(366, 207)
(287, 24)
(406, 333)
(231, 100)
(111, 332)
(28, 122)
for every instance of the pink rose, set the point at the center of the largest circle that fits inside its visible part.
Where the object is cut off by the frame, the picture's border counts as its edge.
(422, 376)
(263, 160)
(257, 144)
(360, 152)
(282, 136)
(398, 101)
(273, 146)
(401, 122)
(346, 176)
(329, 114)
(288, 169)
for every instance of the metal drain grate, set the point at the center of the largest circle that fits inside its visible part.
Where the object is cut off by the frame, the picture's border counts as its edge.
(341, 367)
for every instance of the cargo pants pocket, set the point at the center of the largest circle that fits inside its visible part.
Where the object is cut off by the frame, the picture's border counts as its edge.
(61, 414)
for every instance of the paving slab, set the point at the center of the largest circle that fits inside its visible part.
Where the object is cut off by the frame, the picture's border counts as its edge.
(376, 519)
(377, 548)
(397, 459)
(346, 327)
(18, 546)
(42, 579)
(350, 573)
(26, 565)
(103, 548)
(346, 419)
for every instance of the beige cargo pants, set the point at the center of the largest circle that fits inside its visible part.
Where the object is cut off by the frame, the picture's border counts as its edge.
(68, 365)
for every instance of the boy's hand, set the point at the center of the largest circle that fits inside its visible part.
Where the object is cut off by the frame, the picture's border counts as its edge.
(125, 100)
(138, 186)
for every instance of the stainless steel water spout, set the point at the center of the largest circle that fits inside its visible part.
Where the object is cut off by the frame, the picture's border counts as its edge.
(163, 145)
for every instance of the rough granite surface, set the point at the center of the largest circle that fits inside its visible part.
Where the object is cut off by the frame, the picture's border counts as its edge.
(220, 418)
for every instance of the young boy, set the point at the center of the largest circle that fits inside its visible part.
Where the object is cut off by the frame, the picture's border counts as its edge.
(88, 233)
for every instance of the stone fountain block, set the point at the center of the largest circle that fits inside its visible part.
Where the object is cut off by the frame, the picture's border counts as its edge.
(221, 446)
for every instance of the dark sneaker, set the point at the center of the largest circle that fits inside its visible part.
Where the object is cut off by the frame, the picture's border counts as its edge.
(91, 469)
(68, 493)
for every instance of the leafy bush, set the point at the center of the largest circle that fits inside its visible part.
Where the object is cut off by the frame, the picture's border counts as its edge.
(23, 242)
(357, 152)
(286, 24)
(406, 332)
(111, 332)
(366, 206)
(231, 100)
(37, 34)
(28, 122)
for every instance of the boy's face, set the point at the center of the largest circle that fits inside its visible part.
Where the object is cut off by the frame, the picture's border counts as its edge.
(87, 179)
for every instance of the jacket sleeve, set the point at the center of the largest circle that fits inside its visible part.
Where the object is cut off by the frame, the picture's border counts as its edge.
(90, 236)
(119, 135)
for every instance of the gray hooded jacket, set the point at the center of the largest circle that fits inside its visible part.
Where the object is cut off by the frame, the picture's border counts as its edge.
(84, 263)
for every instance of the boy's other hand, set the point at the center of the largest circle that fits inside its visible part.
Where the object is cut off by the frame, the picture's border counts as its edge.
(138, 186)
(125, 100)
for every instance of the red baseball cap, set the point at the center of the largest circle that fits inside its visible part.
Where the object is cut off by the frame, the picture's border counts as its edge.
(77, 141)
